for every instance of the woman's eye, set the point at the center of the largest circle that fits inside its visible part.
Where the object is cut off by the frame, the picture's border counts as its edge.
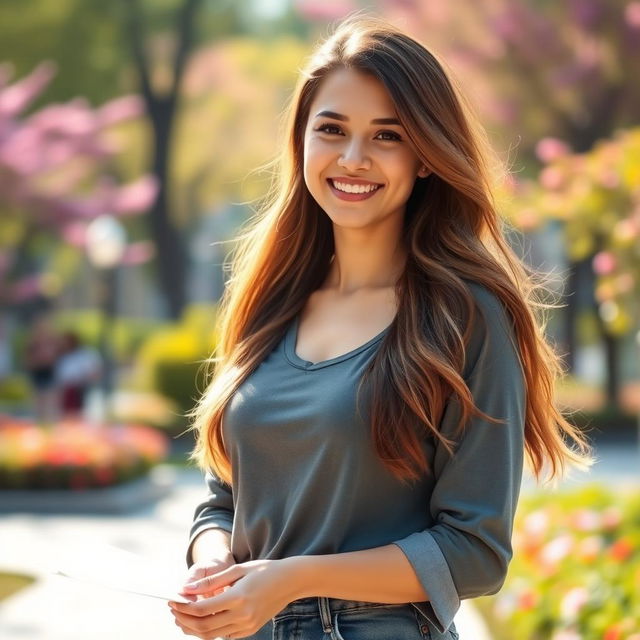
(393, 134)
(325, 127)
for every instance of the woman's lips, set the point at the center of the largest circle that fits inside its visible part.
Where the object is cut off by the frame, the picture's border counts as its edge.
(352, 197)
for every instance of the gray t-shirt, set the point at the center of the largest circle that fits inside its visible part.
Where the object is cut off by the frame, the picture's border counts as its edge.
(307, 480)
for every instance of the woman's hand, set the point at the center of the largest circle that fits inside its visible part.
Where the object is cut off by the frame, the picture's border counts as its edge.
(202, 569)
(247, 596)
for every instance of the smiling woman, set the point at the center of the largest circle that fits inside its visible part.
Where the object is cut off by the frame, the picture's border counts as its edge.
(381, 376)
(375, 163)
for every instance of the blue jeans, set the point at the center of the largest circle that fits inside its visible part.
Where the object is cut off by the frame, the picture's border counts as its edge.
(333, 619)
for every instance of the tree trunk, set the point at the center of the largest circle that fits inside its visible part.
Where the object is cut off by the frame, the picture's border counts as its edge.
(612, 380)
(172, 258)
(571, 316)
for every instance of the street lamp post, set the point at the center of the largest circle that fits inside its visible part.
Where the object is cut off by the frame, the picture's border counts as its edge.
(106, 242)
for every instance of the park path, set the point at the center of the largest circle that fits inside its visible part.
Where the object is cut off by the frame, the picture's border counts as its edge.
(56, 608)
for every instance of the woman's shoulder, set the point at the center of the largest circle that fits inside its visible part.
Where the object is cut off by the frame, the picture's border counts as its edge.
(492, 330)
(492, 309)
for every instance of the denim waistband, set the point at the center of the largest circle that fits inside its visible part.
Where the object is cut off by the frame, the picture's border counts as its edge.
(315, 604)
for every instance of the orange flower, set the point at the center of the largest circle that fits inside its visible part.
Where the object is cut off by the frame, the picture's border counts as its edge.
(621, 549)
(528, 600)
(612, 633)
(589, 548)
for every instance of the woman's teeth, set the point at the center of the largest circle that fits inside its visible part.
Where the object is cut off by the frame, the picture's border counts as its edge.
(352, 188)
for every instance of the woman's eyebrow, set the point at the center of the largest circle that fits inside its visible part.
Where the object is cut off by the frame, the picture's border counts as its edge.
(339, 116)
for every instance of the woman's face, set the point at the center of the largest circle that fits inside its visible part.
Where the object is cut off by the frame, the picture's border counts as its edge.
(350, 147)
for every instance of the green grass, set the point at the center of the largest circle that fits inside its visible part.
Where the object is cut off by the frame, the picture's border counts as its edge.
(10, 583)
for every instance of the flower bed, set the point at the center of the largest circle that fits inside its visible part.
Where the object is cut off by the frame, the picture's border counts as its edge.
(75, 455)
(575, 573)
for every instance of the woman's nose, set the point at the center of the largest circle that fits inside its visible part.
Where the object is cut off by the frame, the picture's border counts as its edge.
(354, 156)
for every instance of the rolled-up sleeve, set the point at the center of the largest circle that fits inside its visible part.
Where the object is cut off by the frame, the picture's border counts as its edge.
(215, 512)
(467, 552)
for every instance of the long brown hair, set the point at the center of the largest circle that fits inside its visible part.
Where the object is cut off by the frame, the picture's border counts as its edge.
(452, 234)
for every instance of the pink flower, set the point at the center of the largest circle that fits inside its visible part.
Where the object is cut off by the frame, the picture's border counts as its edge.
(567, 634)
(75, 234)
(119, 109)
(323, 10)
(611, 517)
(551, 178)
(586, 520)
(20, 95)
(604, 262)
(549, 149)
(135, 196)
(632, 15)
(138, 252)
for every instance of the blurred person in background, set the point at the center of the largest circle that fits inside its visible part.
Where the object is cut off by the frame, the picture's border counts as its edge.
(77, 370)
(42, 350)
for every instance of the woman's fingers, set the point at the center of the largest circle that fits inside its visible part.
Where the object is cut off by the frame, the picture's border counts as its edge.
(215, 582)
(201, 570)
(219, 624)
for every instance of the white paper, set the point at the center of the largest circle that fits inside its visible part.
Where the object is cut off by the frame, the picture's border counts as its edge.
(108, 566)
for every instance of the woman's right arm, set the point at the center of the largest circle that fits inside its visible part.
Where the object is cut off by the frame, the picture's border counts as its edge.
(209, 548)
(211, 543)
(210, 534)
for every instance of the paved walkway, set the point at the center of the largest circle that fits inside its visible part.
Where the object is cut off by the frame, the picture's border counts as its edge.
(56, 608)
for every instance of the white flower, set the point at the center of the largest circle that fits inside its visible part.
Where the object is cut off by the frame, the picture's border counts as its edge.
(537, 522)
(506, 603)
(554, 551)
(572, 602)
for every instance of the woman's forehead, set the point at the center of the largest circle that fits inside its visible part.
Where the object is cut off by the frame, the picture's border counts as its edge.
(352, 94)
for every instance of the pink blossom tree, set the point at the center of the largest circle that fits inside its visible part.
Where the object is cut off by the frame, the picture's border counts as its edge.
(55, 178)
(596, 199)
(540, 70)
